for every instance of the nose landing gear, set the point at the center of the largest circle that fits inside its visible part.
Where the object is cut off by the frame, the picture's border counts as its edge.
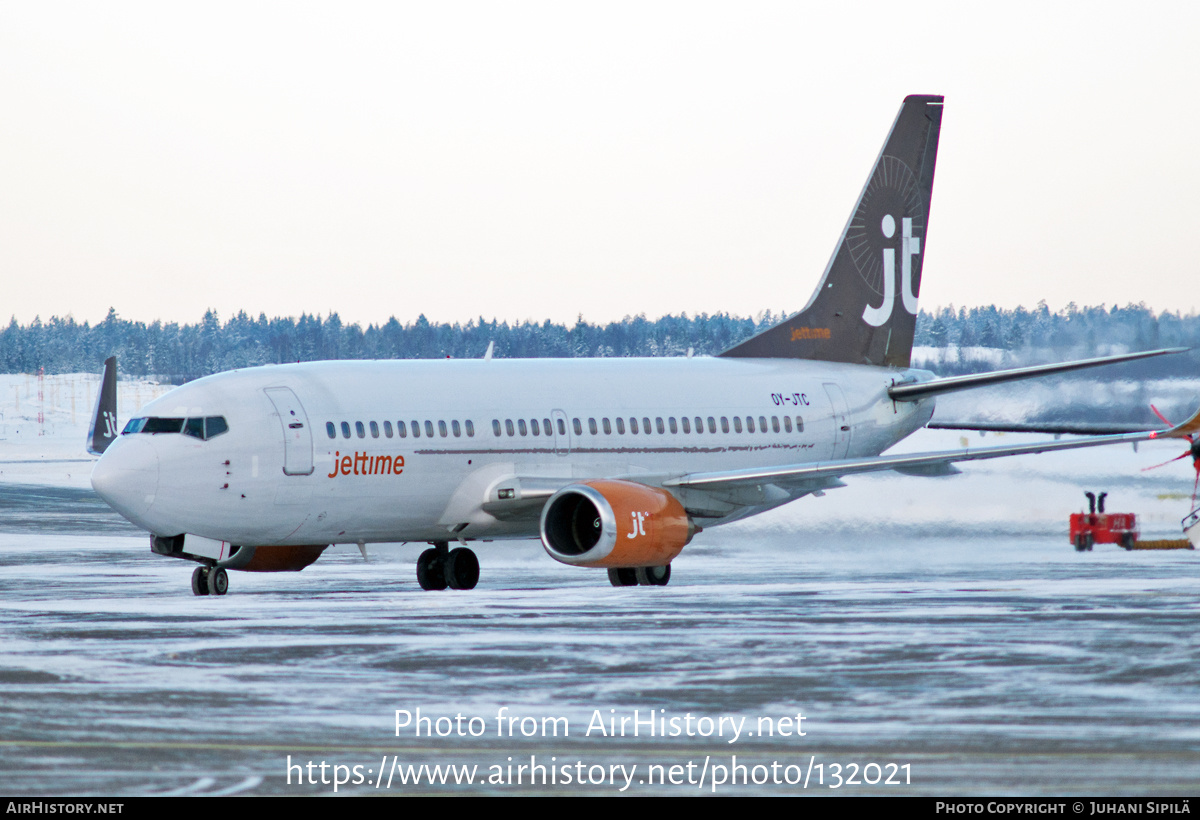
(210, 581)
(442, 567)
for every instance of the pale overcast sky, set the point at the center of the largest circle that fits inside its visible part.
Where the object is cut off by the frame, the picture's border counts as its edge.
(545, 160)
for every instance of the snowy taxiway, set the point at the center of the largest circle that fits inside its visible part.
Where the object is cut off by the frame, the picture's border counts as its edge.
(942, 624)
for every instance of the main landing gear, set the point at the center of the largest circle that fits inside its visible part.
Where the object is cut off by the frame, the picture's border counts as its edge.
(210, 581)
(643, 576)
(443, 567)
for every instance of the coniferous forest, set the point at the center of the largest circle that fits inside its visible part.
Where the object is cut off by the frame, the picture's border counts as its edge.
(950, 340)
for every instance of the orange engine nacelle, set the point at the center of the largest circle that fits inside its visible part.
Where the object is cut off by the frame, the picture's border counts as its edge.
(614, 523)
(274, 559)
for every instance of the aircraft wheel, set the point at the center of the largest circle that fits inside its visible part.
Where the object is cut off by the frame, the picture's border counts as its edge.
(200, 581)
(654, 576)
(462, 569)
(623, 577)
(218, 581)
(431, 571)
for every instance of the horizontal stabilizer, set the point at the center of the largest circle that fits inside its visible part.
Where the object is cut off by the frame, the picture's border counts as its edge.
(918, 390)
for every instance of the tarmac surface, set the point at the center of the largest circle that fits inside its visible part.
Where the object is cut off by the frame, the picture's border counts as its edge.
(945, 663)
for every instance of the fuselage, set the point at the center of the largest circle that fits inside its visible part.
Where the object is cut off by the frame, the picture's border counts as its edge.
(382, 451)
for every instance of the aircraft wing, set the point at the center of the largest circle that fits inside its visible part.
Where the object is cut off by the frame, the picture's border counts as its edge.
(1072, 428)
(937, 463)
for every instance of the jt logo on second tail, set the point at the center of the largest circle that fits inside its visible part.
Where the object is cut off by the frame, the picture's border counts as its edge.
(910, 246)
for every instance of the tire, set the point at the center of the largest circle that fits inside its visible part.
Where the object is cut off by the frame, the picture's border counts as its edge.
(200, 581)
(431, 573)
(1127, 540)
(654, 576)
(623, 577)
(218, 581)
(462, 569)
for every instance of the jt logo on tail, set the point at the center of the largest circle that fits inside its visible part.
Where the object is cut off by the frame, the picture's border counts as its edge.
(910, 246)
(852, 316)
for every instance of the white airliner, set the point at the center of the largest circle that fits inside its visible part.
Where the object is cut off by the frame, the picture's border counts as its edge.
(614, 463)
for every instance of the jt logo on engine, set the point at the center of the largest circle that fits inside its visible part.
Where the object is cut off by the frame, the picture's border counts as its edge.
(910, 246)
(638, 524)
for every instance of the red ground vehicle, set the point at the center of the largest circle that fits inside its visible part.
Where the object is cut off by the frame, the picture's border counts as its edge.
(1099, 527)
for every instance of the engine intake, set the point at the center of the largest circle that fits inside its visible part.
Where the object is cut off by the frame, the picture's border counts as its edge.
(614, 523)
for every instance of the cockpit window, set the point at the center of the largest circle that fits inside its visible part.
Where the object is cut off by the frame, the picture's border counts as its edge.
(203, 428)
(162, 425)
(214, 426)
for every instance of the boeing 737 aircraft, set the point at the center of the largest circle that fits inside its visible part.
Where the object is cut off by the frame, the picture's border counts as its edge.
(614, 463)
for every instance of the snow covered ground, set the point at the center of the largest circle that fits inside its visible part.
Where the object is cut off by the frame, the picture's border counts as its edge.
(943, 624)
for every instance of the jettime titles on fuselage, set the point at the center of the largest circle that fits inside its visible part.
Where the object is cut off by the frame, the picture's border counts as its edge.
(365, 464)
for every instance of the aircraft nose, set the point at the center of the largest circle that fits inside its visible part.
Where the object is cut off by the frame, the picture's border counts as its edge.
(126, 476)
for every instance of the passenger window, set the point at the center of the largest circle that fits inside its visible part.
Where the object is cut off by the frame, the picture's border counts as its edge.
(578, 427)
(194, 428)
(358, 428)
(799, 424)
(402, 429)
(416, 427)
(674, 426)
(699, 425)
(470, 428)
(374, 430)
(345, 430)
(387, 429)
(687, 425)
(330, 429)
(496, 427)
(762, 423)
(787, 423)
(621, 426)
(428, 428)
(546, 426)
(646, 425)
(508, 426)
(592, 427)
(750, 424)
(533, 423)
(607, 426)
(712, 424)
(456, 428)
(214, 426)
(724, 424)
(562, 426)
(522, 428)
(775, 423)
(442, 429)
(737, 424)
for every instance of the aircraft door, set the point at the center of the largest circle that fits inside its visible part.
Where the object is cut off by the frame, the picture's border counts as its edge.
(297, 437)
(562, 433)
(841, 420)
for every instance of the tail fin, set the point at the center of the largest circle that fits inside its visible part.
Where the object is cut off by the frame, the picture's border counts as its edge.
(865, 309)
(104, 430)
